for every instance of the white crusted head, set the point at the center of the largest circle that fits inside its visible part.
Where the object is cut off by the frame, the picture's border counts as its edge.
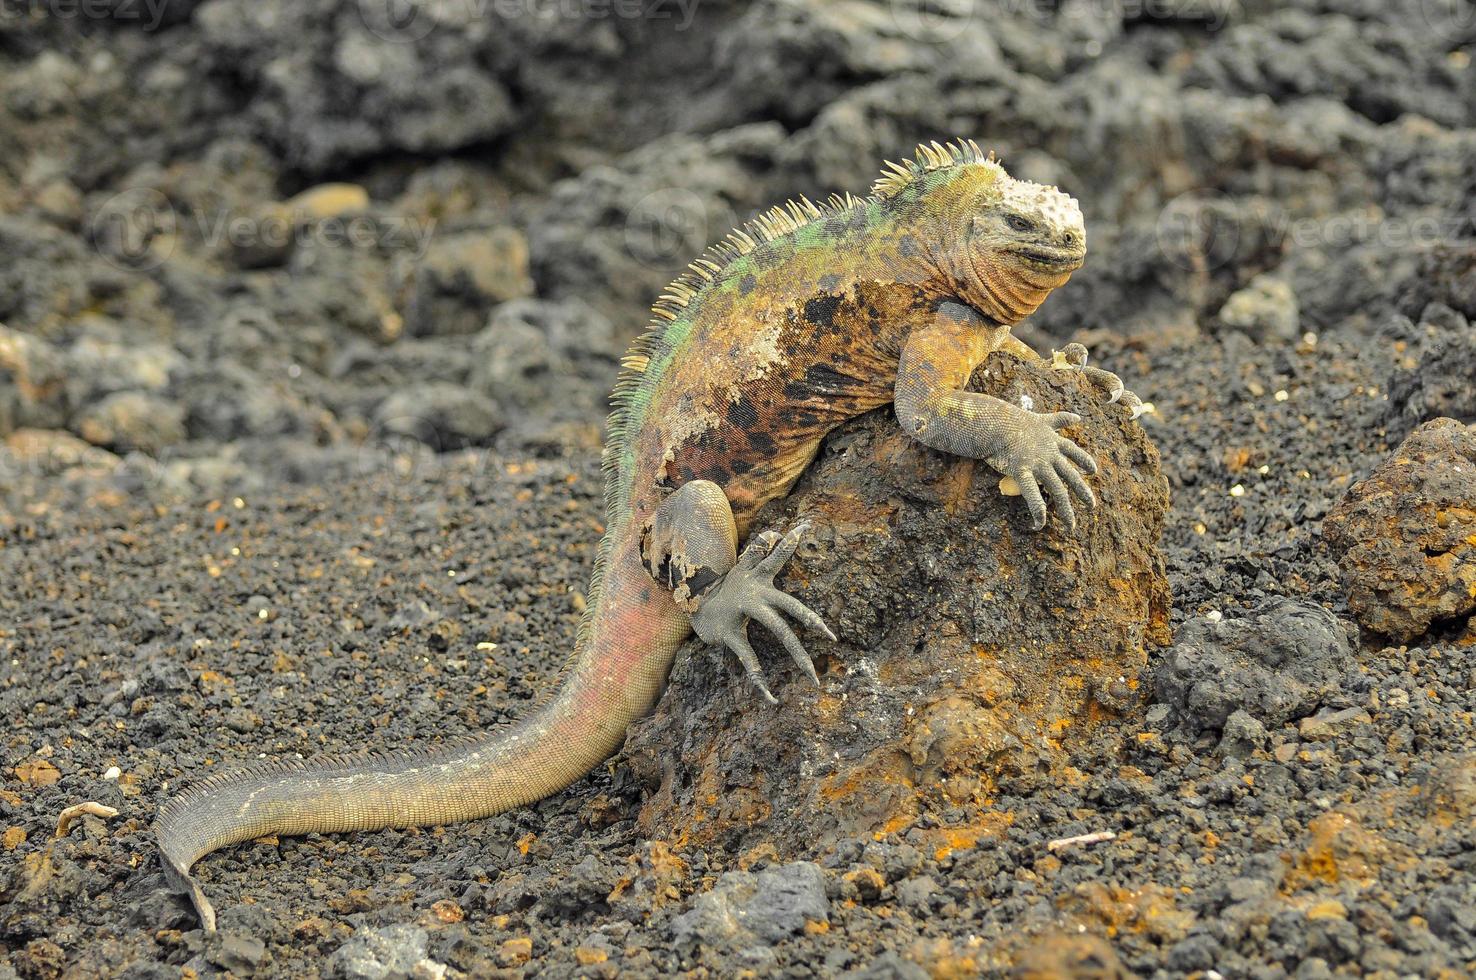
(1057, 213)
(1023, 240)
(1006, 243)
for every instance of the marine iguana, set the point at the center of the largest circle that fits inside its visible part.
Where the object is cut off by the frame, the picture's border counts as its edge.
(806, 316)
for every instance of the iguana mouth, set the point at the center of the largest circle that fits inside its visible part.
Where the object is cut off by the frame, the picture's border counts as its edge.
(1053, 259)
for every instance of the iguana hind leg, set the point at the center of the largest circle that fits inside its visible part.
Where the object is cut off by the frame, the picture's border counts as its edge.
(691, 542)
(690, 547)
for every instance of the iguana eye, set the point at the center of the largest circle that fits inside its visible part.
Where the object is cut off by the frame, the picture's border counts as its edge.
(1019, 223)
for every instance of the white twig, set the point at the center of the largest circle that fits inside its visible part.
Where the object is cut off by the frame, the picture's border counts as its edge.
(65, 818)
(1062, 843)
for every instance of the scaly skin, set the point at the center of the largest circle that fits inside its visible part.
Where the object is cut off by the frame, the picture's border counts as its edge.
(805, 318)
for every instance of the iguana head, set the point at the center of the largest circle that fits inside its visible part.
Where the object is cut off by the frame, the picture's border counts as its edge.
(1003, 243)
(1019, 245)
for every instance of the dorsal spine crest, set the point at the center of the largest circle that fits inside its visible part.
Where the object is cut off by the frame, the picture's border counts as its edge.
(896, 177)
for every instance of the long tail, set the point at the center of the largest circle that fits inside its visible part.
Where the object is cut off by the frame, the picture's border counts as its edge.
(614, 678)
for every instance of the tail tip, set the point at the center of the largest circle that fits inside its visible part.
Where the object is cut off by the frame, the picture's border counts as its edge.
(177, 870)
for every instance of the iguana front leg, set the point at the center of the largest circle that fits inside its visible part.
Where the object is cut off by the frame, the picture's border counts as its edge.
(937, 361)
(690, 547)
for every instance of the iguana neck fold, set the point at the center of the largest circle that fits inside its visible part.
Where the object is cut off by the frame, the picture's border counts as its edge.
(1008, 296)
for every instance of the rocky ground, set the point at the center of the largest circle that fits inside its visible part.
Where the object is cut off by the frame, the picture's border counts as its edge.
(307, 317)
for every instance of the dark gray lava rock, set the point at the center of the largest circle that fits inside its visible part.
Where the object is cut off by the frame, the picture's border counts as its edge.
(888, 966)
(132, 420)
(1275, 664)
(1451, 912)
(389, 953)
(744, 908)
(1242, 735)
(460, 278)
(342, 82)
(41, 278)
(1434, 379)
(513, 362)
(226, 401)
(971, 647)
(580, 890)
(1406, 535)
(103, 358)
(32, 382)
(530, 345)
(1342, 58)
(615, 235)
(442, 416)
(237, 953)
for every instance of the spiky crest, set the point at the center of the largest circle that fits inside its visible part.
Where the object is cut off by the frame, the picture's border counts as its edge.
(896, 177)
(679, 294)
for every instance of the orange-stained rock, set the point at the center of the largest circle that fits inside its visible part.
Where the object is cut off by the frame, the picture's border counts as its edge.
(1407, 534)
(1069, 956)
(970, 647)
(1118, 909)
(1450, 797)
(37, 772)
(1338, 849)
(654, 878)
(515, 952)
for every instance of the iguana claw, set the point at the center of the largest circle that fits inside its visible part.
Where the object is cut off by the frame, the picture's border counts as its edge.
(746, 593)
(1073, 357)
(1037, 459)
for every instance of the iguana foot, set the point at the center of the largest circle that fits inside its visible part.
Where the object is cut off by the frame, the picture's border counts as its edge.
(1074, 358)
(748, 592)
(1035, 457)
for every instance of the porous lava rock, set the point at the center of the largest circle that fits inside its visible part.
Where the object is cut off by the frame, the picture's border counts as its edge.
(970, 647)
(1275, 663)
(1406, 535)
